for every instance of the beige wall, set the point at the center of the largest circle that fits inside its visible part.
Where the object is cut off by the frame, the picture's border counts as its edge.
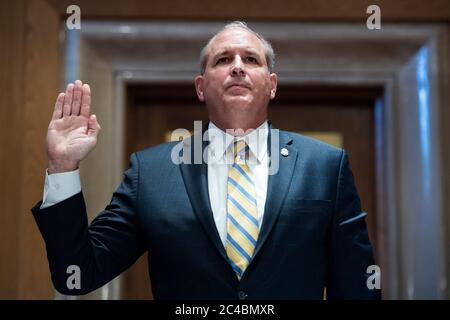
(30, 77)
(98, 188)
(11, 82)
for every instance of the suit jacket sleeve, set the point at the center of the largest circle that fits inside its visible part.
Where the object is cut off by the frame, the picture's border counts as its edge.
(102, 250)
(350, 251)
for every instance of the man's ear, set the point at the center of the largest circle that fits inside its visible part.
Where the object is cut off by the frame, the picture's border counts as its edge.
(273, 82)
(199, 88)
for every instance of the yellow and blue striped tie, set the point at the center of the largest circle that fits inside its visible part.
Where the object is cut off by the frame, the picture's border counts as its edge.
(242, 215)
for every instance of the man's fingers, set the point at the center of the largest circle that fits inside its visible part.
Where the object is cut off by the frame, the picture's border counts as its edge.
(76, 103)
(67, 107)
(86, 101)
(57, 112)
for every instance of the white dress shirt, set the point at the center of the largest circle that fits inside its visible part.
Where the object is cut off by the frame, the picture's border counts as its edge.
(61, 186)
(219, 162)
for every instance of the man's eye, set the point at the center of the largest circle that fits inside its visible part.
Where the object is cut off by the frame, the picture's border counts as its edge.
(251, 60)
(223, 60)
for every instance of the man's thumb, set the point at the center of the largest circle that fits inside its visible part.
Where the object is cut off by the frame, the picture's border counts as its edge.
(93, 126)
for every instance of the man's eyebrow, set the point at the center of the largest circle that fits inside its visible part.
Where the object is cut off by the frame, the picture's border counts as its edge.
(252, 52)
(221, 53)
(227, 51)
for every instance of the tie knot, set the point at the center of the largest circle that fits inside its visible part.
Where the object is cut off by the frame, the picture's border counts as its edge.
(240, 151)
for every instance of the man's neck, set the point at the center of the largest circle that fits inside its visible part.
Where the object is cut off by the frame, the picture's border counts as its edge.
(237, 129)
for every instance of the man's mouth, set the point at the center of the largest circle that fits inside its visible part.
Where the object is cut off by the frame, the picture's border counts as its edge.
(238, 85)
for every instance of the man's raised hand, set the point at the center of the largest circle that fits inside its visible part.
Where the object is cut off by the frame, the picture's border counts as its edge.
(73, 130)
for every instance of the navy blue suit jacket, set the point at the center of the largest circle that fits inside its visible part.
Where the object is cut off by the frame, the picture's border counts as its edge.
(313, 233)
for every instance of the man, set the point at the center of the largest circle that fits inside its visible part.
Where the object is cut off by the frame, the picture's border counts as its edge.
(214, 229)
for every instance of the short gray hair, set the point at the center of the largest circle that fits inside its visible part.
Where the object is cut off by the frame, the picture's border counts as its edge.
(270, 54)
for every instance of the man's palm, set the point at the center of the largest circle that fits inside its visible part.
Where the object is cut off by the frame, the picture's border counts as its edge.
(73, 131)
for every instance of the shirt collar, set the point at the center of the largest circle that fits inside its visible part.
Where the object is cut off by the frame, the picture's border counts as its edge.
(256, 140)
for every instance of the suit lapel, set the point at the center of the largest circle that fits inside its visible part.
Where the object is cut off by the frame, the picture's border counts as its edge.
(278, 186)
(195, 178)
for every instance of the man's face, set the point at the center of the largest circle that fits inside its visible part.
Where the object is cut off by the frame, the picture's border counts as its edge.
(236, 86)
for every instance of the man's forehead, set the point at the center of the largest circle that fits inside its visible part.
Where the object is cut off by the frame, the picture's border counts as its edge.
(235, 38)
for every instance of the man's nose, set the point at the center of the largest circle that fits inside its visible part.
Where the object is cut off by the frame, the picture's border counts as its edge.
(237, 69)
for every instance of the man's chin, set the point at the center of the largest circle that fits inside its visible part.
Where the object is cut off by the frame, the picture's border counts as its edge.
(239, 101)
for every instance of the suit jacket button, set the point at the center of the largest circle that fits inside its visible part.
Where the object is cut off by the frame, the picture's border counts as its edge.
(242, 295)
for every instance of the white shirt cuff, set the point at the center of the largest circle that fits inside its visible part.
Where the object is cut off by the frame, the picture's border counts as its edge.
(60, 186)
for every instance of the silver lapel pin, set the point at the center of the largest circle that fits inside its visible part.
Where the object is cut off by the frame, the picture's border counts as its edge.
(284, 152)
